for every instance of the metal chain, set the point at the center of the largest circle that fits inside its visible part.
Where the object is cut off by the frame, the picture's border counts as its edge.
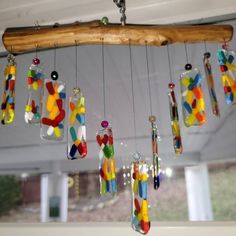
(122, 6)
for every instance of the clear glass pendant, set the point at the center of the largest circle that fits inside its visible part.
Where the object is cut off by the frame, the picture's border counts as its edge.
(107, 170)
(139, 183)
(8, 98)
(33, 108)
(53, 111)
(76, 143)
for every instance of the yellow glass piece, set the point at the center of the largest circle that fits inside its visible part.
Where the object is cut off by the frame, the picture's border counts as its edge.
(189, 97)
(186, 81)
(190, 119)
(35, 85)
(139, 217)
(105, 166)
(108, 176)
(135, 188)
(50, 103)
(175, 127)
(28, 108)
(53, 113)
(73, 117)
(56, 96)
(144, 177)
(200, 104)
(112, 165)
(81, 110)
(230, 66)
(81, 102)
(12, 70)
(195, 111)
(57, 132)
(77, 142)
(144, 210)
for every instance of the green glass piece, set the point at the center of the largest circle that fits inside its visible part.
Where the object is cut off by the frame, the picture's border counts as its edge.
(103, 187)
(73, 134)
(107, 151)
(111, 148)
(31, 73)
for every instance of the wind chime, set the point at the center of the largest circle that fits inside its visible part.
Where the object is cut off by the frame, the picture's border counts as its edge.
(192, 95)
(228, 73)
(53, 110)
(154, 134)
(107, 170)
(35, 77)
(210, 82)
(76, 134)
(174, 115)
(8, 98)
(139, 178)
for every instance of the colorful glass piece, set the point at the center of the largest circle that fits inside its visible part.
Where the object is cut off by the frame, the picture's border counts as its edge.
(76, 143)
(228, 74)
(192, 98)
(174, 116)
(53, 111)
(210, 84)
(107, 170)
(156, 165)
(8, 98)
(33, 108)
(139, 184)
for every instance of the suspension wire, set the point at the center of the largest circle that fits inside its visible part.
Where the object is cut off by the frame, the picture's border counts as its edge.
(103, 79)
(148, 76)
(55, 56)
(170, 73)
(186, 52)
(36, 51)
(132, 92)
(76, 64)
(205, 46)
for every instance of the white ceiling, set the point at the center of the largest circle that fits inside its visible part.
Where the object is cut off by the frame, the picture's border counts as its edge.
(20, 145)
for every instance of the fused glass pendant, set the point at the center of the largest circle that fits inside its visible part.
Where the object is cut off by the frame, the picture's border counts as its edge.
(76, 143)
(228, 74)
(210, 84)
(139, 184)
(8, 98)
(174, 116)
(53, 110)
(33, 108)
(107, 170)
(192, 97)
(156, 166)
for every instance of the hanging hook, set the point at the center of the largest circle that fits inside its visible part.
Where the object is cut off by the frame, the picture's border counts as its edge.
(122, 6)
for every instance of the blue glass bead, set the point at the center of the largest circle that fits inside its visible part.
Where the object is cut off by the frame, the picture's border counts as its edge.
(73, 150)
(187, 107)
(62, 95)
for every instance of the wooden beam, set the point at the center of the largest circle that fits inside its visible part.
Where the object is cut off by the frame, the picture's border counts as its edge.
(19, 40)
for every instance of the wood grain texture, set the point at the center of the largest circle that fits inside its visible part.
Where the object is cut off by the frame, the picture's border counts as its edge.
(19, 40)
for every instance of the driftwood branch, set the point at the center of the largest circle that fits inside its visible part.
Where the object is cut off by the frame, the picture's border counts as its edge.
(19, 40)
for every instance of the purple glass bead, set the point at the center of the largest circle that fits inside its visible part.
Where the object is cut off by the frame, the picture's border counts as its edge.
(104, 124)
(36, 61)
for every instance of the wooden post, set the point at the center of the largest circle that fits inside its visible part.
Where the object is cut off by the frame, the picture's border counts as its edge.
(19, 40)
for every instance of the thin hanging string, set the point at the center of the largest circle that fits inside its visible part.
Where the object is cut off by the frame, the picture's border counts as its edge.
(148, 76)
(205, 46)
(132, 92)
(36, 51)
(76, 64)
(103, 79)
(55, 56)
(186, 52)
(168, 54)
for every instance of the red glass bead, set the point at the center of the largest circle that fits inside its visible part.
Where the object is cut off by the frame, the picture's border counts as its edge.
(171, 85)
(36, 61)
